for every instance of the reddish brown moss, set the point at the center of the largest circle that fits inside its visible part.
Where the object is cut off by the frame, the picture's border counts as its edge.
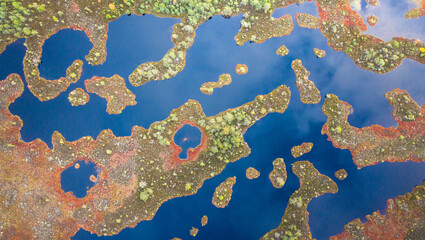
(204, 220)
(372, 20)
(343, 28)
(308, 21)
(309, 93)
(264, 27)
(374, 144)
(194, 231)
(294, 223)
(319, 53)
(374, 2)
(241, 69)
(252, 173)
(42, 88)
(405, 219)
(223, 80)
(223, 193)
(78, 97)
(282, 51)
(298, 151)
(137, 172)
(113, 89)
(338, 22)
(278, 175)
(341, 174)
(415, 13)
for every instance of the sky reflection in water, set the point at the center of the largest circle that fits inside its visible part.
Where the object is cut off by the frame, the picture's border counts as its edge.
(256, 207)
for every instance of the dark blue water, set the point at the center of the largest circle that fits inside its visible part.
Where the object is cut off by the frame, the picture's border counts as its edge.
(187, 137)
(77, 179)
(256, 207)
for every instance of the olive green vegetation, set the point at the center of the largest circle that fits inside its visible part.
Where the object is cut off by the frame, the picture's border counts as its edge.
(367, 145)
(193, 10)
(15, 18)
(39, 19)
(223, 80)
(223, 193)
(369, 52)
(25, 19)
(282, 51)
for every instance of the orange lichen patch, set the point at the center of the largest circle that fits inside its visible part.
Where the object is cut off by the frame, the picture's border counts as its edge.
(26, 163)
(319, 53)
(263, 28)
(372, 20)
(78, 97)
(252, 173)
(77, 166)
(223, 193)
(93, 178)
(111, 6)
(309, 93)
(282, 51)
(119, 158)
(194, 231)
(308, 21)
(241, 69)
(340, 12)
(278, 175)
(404, 220)
(341, 174)
(176, 238)
(294, 223)
(374, 144)
(114, 90)
(192, 153)
(204, 220)
(298, 151)
(223, 80)
(132, 182)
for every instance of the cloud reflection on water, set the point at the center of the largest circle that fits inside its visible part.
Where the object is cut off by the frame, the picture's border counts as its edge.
(215, 52)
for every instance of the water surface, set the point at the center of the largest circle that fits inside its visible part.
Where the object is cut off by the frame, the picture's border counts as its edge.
(256, 207)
